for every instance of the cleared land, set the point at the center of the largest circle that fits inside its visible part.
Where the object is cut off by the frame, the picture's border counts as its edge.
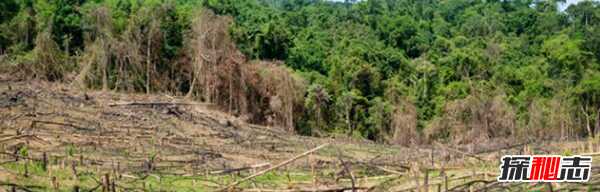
(54, 137)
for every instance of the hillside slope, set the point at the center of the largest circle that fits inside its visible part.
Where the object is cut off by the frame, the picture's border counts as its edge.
(53, 136)
(149, 133)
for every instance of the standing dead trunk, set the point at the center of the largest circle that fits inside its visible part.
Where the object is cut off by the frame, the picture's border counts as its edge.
(318, 116)
(148, 64)
(347, 112)
(230, 102)
(104, 61)
(587, 121)
(192, 85)
(151, 37)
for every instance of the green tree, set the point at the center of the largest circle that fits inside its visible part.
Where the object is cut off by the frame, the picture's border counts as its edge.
(67, 25)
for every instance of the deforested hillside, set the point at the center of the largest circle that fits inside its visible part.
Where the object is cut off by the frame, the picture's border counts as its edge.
(56, 137)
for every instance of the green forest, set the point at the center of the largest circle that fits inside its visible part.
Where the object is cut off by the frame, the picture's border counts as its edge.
(391, 71)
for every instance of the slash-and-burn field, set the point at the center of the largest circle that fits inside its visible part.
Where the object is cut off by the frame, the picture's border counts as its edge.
(54, 137)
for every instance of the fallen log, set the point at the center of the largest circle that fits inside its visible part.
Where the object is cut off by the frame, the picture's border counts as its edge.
(503, 148)
(466, 185)
(317, 189)
(461, 152)
(77, 127)
(226, 171)
(389, 170)
(19, 156)
(347, 170)
(22, 187)
(274, 167)
(22, 136)
(152, 103)
(591, 154)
